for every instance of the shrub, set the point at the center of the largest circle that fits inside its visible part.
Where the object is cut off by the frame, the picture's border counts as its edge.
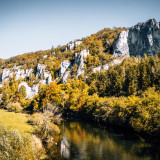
(22, 91)
(14, 145)
(14, 107)
(44, 127)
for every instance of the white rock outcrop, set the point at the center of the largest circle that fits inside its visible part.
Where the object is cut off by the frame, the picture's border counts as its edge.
(34, 90)
(121, 44)
(28, 89)
(42, 74)
(65, 77)
(19, 73)
(64, 66)
(143, 38)
(8, 73)
(40, 70)
(97, 69)
(112, 63)
(79, 60)
(73, 45)
(45, 56)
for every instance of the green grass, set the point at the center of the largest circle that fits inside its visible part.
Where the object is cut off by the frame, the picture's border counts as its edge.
(15, 121)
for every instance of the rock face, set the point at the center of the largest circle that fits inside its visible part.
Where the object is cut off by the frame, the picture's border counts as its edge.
(40, 70)
(5, 75)
(42, 74)
(73, 45)
(45, 78)
(65, 77)
(121, 44)
(112, 63)
(79, 60)
(19, 73)
(66, 64)
(138, 40)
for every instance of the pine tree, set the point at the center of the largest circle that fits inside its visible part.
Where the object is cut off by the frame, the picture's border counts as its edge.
(22, 91)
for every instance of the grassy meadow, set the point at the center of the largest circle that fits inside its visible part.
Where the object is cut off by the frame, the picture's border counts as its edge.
(15, 121)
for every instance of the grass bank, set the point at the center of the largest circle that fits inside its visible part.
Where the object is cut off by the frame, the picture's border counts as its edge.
(15, 121)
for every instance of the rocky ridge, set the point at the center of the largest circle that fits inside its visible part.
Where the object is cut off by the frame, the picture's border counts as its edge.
(143, 38)
(137, 40)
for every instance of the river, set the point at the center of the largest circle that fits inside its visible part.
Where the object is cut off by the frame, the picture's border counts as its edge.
(86, 141)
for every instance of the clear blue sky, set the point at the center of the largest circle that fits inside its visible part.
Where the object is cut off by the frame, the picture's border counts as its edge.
(32, 25)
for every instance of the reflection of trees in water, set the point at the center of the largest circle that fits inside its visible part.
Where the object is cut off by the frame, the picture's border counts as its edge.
(64, 147)
(94, 143)
(84, 141)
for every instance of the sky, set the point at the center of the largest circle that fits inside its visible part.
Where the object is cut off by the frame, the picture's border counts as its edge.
(33, 25)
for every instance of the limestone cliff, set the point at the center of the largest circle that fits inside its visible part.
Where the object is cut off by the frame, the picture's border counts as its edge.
(42, 74)
(143, 38)
(73, 45)
(66, 65)
(79, 60)
(19, 73)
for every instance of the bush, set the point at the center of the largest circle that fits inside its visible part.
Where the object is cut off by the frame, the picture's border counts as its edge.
(44, 127)
(14, 107)
(22, 91)
(14, 145)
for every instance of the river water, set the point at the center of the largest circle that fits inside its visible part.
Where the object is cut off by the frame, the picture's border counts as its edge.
(85, 141)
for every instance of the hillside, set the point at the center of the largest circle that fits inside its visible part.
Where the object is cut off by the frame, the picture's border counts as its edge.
(97, 77)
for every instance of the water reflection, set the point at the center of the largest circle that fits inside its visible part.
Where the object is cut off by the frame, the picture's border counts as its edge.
(64, 148)
(82, 141)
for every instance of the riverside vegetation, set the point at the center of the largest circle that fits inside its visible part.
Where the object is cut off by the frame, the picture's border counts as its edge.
(132, 102)
(127, 95)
